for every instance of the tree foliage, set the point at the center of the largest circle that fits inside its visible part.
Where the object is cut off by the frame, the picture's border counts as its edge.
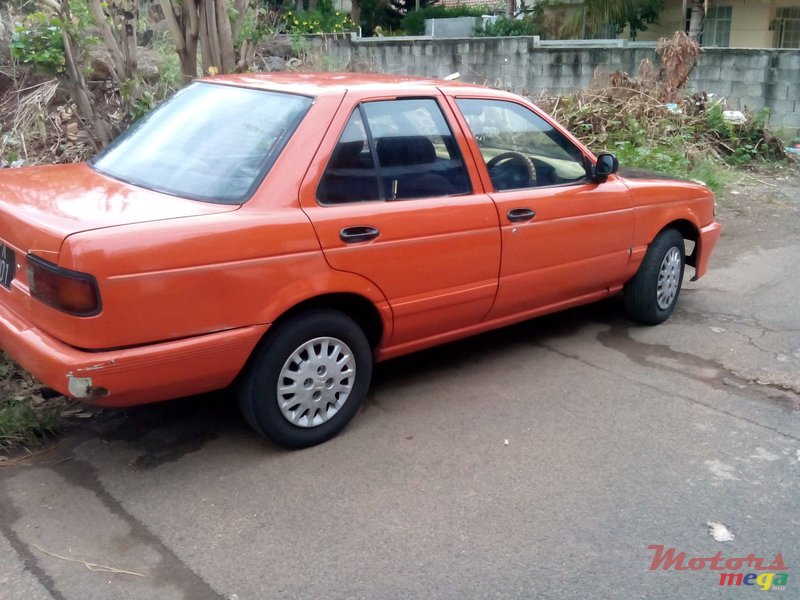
(619, 14)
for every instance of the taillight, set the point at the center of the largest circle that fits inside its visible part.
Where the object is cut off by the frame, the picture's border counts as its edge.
(69, 291)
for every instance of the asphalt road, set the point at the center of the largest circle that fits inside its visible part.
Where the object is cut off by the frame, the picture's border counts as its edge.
(618, 438)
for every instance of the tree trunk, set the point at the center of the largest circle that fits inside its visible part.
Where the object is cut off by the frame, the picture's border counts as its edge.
(511, 7)
(355, 13)
(225, 32)
(696, 18)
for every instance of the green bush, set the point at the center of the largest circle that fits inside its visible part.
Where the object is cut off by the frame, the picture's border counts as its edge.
(413, 23)
(323, 19)
(504, 27)
(39, 43)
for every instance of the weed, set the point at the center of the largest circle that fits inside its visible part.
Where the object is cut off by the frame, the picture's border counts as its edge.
(24, 416)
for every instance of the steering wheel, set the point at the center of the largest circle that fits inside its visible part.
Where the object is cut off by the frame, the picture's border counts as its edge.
(511, 170)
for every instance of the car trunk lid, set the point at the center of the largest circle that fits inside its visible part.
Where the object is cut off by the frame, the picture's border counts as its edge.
(41, 206)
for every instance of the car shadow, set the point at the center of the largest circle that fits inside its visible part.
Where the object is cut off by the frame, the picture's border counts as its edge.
(166, 431)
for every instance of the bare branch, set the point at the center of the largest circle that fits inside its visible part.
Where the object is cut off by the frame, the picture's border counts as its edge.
(51, 4)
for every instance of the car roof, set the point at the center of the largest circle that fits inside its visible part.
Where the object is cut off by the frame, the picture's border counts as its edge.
(318, 84)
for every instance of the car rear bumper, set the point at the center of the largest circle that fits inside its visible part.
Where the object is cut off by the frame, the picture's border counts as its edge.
(130, 376)
(709, 235)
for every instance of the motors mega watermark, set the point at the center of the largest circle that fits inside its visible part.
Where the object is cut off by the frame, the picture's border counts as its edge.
(733, 571)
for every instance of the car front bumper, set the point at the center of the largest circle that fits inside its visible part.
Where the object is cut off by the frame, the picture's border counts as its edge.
(129, 376)
(709, 236)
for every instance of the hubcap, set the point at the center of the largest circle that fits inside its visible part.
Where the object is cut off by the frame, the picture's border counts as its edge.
(669, 278)
(315, 381)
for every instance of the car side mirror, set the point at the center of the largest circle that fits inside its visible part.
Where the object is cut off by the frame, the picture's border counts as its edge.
(607, 164)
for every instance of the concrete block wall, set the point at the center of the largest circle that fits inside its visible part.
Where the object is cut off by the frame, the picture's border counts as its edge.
(747, 78)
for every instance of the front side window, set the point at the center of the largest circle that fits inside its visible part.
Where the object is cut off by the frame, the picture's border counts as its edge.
(394, 150)
(209, 142)
(520, 148)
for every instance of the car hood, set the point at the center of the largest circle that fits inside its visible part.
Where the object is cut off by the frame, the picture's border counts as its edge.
(41, 206)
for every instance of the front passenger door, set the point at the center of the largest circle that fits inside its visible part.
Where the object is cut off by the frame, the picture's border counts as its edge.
(564, 237)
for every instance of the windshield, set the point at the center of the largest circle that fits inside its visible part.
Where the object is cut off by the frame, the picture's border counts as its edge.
(209, 142)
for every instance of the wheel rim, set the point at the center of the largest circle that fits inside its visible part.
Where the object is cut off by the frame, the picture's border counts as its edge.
(669, 276)
(316, 381)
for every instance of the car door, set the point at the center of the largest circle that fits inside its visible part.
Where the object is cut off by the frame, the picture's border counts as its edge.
(391, 198)
(564, 237)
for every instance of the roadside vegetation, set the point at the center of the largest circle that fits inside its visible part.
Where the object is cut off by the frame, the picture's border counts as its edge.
(25, 416)
(75, 73)
(651, 123)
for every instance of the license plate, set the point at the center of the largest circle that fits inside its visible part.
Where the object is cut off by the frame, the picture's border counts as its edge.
(8, 265)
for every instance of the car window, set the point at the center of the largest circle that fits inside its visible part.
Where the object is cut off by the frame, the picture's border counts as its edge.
(394, 150)
(520, 148)
(350, 175)
(209, 142)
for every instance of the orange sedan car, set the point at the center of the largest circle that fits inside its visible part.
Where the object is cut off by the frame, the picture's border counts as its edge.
(283, 232)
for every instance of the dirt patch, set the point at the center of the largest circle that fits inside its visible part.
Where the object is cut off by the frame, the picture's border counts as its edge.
(763, 203)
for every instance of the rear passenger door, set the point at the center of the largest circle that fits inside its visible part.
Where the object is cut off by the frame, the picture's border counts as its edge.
(391, 199)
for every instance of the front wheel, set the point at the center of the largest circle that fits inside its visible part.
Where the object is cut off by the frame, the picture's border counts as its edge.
(651, 295)
(307, 380)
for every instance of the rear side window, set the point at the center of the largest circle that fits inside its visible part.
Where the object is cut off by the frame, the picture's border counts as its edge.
(394, 150)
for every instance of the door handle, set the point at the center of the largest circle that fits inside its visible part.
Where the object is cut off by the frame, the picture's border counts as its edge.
(360, 233)
(515, 215)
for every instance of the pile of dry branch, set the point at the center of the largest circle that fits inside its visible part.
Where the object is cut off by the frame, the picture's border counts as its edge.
(653, 110)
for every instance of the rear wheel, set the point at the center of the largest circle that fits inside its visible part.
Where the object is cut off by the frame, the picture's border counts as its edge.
(651, 295)
(307, 380)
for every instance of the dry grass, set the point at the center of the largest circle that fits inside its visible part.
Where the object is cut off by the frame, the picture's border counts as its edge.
(39, 123)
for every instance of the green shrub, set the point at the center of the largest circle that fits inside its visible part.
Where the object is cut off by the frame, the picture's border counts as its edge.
(413, 23)
(39, 43)
(323, 19)
(504, 27)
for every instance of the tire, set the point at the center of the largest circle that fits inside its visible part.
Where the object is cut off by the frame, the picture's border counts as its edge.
(651, 295)
(322, 362)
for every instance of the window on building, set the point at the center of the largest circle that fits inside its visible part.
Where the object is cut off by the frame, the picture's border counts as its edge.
(787, 27)
(717, 26)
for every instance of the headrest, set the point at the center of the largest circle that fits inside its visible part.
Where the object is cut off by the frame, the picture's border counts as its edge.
(346, 154)
(404, 151)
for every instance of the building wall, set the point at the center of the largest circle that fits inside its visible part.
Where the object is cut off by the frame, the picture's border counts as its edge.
(747, 78)
(750, 21)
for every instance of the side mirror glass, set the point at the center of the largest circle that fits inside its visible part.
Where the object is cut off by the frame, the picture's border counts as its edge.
(607, 164)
